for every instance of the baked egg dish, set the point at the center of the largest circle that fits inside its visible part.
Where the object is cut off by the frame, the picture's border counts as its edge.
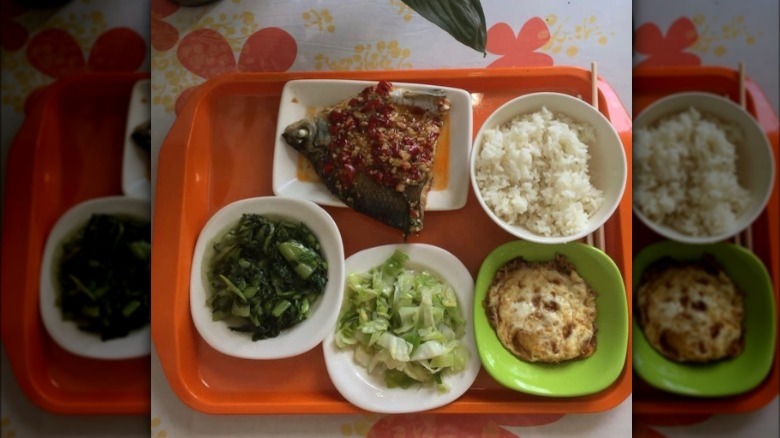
(691, 311)
(542, 311)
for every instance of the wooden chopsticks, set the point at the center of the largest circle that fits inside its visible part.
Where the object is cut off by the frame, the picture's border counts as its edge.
(596, 238)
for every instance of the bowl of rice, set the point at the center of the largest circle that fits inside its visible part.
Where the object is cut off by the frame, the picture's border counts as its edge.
(702, 168)
(548, 168)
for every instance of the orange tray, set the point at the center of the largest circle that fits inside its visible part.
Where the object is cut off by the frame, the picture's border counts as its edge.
(650, 84)
(220, 149)
(68, 149)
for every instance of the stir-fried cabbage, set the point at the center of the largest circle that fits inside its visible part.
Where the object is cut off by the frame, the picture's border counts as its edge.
(404, 324)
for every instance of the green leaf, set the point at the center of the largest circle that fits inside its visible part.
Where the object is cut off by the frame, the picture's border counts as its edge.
(463, 19)
(395, 378)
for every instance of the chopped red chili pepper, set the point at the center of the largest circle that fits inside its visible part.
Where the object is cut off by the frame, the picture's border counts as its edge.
(391, 143)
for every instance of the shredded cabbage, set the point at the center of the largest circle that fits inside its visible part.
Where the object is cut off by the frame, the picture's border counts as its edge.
(404, 324)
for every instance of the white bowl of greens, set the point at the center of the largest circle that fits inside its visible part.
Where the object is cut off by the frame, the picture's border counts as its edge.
(95, 279)
(267, 278)
(419, 356)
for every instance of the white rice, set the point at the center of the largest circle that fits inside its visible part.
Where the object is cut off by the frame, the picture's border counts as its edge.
(533, 172)
(685, 173)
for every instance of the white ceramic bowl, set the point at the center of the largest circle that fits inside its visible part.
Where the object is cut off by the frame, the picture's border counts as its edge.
(65, 333)
(368, 391)
(303, 336)
(755, 162)
(607, 164)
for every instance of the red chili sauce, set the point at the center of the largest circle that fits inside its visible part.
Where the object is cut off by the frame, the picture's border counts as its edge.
(393, 144)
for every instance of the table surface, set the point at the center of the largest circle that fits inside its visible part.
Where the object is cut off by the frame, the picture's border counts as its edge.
(333, 35)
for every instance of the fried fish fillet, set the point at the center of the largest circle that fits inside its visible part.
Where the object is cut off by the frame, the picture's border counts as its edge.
(691, 311)
(543, 311)
(375, 151)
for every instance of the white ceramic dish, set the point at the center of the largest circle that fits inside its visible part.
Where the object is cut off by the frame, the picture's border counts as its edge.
(300, 97)
(136, 164)
(305, 335)
(607, 164)
(369, 391)
(65, 333)
(755, 161)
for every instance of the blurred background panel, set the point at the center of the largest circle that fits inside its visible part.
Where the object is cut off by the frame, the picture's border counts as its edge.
(729, 49)
(43, 41)
(69, 68)
(711, 33)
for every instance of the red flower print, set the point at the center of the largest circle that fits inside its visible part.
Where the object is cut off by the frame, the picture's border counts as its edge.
(206, 53)
(269, 49)
(414, 425)
(55, 53)
(119, 49)
(519, 50)
(669, 50)
(12, 34)
(164, 35)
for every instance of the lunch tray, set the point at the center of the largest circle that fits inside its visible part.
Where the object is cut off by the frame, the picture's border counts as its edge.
(69, 149)
(220, 149)
(650, 84)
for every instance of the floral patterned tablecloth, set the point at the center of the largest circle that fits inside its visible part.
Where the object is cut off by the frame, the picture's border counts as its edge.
(191, 45)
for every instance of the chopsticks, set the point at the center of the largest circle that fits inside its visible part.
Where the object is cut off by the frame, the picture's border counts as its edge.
(594, 89)
(747, 234)
(596, 238)
(742, 96)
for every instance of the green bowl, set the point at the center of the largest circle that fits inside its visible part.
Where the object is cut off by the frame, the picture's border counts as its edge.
(722, 378)
(571, 378)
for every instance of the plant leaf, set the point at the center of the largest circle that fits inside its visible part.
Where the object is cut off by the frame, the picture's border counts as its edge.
(463, 19)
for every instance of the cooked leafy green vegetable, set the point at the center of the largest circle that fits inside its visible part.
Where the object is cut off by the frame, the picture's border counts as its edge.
(265, 275)
(104, 275)
(404, 324)
(464, 20)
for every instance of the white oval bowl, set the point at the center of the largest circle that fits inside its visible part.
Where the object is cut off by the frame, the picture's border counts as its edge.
(368, 391)
(65, 333)
(607, 164)
(755, 162)
(295, 340)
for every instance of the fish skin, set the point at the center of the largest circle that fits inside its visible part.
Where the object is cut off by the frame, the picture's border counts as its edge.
(430, 100)
(404, 209)
(365, 196)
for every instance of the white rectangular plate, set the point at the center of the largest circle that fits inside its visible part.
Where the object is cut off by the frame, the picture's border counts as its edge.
(136, 164)
(300, 96)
